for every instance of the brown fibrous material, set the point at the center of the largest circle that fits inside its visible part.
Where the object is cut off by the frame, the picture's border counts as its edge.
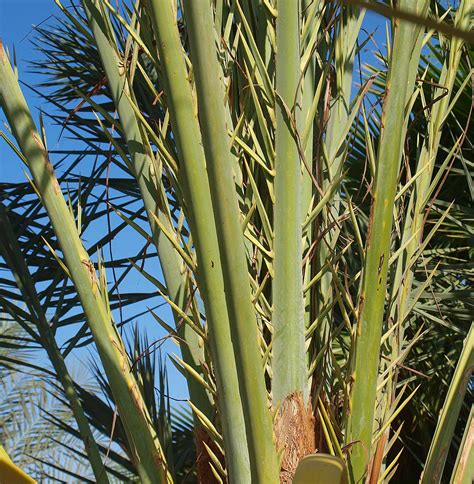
(203, 460)
(294, 433)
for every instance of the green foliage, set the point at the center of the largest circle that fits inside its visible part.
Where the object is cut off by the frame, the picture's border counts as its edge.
(310, 229)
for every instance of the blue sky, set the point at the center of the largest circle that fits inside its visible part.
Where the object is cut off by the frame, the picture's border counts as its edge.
(17, 21)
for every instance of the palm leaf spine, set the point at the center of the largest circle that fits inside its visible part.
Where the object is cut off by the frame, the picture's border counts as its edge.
(212, 116)
(192, 171)
(370, 322)
(147, 175)
(448, 417)
(288, 359)
(10, 250)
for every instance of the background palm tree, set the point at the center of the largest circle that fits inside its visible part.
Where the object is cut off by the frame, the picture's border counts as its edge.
(312, 225)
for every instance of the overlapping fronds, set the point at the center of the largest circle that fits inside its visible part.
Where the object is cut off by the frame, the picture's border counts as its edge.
(303, 209)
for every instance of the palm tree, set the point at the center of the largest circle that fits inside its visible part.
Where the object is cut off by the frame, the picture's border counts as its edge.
(313, 235)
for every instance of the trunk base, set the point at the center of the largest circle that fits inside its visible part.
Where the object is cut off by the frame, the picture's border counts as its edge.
(294, 432)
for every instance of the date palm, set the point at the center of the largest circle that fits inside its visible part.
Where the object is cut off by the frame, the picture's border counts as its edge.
(309, 240)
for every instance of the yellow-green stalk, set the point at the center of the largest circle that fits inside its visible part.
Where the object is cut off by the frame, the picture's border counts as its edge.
(147, 453)
(401, 77)
(192, 173)
(212, 116)
(146, 171)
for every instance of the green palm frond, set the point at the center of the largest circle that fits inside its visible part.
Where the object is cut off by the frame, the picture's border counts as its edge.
(301, 217)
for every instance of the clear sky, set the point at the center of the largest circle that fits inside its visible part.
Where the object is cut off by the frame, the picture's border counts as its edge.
(17, 21)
